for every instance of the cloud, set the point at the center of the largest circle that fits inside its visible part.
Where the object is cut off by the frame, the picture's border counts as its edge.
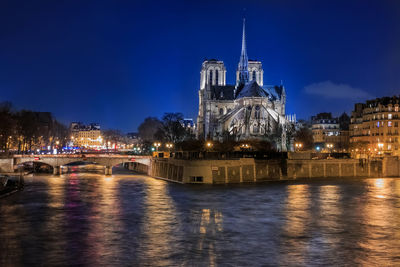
(332, 90)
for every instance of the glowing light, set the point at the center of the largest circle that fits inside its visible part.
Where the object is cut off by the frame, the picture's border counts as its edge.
(157, 144)
(169, 145)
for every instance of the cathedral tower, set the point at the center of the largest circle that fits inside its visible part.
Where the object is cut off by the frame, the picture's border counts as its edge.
(256, 72)
(213, 72)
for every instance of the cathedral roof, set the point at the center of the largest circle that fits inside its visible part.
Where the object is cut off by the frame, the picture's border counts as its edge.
(275, 92)
(222, 92)
(252, 89)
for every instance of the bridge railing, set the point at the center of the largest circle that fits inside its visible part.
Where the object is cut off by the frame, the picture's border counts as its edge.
(81, 156)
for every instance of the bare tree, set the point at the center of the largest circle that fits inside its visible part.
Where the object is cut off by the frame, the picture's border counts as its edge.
(172, 129)
(304, 135)
(111, 136)
(7, 126)
(149, 128)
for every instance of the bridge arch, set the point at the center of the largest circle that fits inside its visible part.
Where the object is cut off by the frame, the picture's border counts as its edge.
(34, 166)
(56, 161)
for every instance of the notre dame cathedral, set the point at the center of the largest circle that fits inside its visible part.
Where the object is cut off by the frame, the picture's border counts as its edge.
(247, 110)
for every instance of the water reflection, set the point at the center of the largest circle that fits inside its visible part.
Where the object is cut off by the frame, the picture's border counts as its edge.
(378, 221)
(91, 219)
(56, 221)
(210, 225)
(105, 222)
(160, 225)
(297, 218)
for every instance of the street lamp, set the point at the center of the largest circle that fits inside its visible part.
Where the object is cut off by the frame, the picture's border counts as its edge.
(157, 145)
(209, 145)
(329, 146)
(169, 145)
(245, 146)
(298, 146)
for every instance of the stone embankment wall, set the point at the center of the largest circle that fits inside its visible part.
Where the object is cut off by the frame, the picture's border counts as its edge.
(137, 167)
(7, 165)
(247, 170)
(333, 168)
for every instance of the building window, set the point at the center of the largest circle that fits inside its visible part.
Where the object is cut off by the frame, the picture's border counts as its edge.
(377, 124)
(256, 129)
(196, 179)
(389, 116)
(216, 77)
(211, 79)
(257, 113)
(221, 111)
(389, 124)
(396, 109)
(396, 124)
(254, 75)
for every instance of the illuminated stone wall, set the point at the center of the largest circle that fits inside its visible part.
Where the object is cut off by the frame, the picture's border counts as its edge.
(249, 170)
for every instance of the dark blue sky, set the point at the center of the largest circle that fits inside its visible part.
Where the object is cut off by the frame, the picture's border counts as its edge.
(117, 62)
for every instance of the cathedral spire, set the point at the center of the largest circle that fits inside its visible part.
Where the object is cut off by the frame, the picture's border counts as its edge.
(243, 63)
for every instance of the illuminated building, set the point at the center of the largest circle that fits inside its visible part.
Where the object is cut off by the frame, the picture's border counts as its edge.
(86, 136)
(247, 110)
(329, 130)
(374, 128)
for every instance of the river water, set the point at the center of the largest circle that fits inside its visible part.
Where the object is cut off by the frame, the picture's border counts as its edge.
(129, 220)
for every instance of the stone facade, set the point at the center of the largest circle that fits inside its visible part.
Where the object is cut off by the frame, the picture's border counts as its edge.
(329, 130)
(374, 128)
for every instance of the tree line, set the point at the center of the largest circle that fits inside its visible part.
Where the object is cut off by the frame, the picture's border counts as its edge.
(23, 131)
(169, 129)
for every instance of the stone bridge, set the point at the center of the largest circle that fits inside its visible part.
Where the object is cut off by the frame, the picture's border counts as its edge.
(56, 161)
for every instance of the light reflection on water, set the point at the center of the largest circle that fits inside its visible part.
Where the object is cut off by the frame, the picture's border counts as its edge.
(92, 219)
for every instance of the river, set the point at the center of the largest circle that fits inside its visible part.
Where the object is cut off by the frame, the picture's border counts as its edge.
(130, 220)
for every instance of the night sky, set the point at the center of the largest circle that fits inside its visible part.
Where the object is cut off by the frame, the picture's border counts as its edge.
(117, 62)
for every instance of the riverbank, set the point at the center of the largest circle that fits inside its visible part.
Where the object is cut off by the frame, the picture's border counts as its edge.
(250, 170)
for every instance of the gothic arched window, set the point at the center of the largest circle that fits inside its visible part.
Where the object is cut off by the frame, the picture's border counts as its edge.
(256, 129)
(257, 112)
(211, 79)
(221, 111)
(254, 75)
(216, 77)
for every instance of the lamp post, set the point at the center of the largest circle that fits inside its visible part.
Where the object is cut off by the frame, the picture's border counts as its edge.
(209, 145)
(169, 146)
(298, 146)
(329, 146)
(157, 145)
(245, 146)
